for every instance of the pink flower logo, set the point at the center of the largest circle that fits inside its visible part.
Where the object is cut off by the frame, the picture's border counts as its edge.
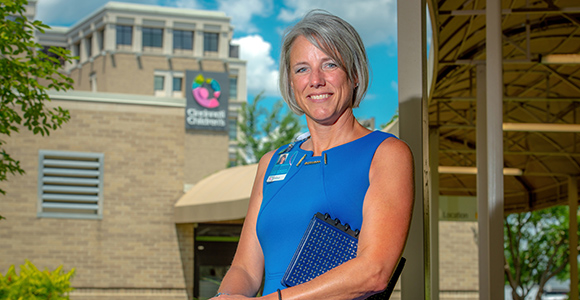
(201, 93)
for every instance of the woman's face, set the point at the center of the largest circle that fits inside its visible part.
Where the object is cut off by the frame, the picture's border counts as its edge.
(320, 86)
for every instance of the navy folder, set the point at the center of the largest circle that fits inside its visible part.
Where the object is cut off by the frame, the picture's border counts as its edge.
(326, 244)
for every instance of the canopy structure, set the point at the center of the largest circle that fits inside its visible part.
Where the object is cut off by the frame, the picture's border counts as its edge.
(499, 119)
(221, 196)
(541, 96)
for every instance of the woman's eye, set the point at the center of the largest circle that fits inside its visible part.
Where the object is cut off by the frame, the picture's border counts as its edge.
(331, 65)
(300, 70)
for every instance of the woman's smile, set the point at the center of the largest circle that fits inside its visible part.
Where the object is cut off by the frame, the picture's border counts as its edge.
(320, 97)
(321, 87)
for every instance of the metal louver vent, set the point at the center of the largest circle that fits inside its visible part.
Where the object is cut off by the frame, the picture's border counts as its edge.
(70, 184)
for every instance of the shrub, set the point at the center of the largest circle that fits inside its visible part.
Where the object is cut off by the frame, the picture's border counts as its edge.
(33, 284)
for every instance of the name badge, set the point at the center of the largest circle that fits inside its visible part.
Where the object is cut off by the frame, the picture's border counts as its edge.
(282, 167)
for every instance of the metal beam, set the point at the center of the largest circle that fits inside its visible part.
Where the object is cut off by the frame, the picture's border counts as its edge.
(473, 170)
(513, 99)
(566, 80)
(510, 11)
(537, 153)
(541, 127)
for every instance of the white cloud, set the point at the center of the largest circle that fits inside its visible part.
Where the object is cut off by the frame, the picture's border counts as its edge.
(183, 4)
(242, 11)
(375, 20)
(395, 86)
(262, 71)
(68, 12)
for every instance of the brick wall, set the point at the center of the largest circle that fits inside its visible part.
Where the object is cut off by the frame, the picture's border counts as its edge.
(185, 234)
(131, 74)
(458, 260)
(134, 250)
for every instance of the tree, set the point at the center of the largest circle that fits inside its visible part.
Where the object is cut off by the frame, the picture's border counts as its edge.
(264, 130)
(394, 118)
(28, 72)
(536, 248)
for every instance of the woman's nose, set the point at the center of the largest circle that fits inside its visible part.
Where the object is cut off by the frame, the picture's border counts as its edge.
(316, 78)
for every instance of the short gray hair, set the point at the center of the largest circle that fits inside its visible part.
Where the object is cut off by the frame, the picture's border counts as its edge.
(337, 39)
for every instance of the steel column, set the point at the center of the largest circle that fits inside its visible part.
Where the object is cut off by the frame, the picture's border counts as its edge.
(490, 188)
(412, 57)
(573, 233)
(434, 212)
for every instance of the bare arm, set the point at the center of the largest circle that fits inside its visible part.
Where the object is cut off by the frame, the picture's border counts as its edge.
(245, 274)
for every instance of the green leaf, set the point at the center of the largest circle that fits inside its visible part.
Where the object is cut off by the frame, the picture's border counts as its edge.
(264, 130)
(24, 69)
(535, 248)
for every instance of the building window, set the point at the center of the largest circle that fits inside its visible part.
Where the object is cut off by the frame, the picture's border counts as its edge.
(70, 184)
(93, 82)
(233, 88)
(233, 129)
(177, 81)
(101, 40)
(124, 35)
(77, 51)
(159, 83)
(183, 39)
(210, 41)
(152, 37)
(235, 51)
(168, 84)
(89, 45)
(56, 59)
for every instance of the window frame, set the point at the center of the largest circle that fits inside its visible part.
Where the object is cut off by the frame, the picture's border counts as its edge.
(168, 84)
(89, 46)
(179, 39)
(233, 87)
(46, 50)
(126, 36)
(233, 129)
(152, 37)
(209, 39)
(158, 76)
(173, 79)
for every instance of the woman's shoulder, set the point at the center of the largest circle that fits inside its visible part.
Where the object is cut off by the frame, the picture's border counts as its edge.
(266, 158)
(394, 149)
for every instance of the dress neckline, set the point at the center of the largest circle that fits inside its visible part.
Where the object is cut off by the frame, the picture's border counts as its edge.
(311, 153)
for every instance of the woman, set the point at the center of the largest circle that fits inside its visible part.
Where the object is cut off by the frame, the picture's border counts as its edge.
(362, 177)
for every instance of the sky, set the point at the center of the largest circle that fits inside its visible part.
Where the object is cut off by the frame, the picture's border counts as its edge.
(258, 28)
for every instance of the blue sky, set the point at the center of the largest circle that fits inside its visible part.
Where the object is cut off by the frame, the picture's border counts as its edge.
(258, 25)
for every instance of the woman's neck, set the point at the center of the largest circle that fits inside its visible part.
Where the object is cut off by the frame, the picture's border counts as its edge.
(324, 137)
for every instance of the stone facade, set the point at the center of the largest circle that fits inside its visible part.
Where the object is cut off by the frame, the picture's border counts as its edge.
(132, 249)
(458, 261)
(136, 246)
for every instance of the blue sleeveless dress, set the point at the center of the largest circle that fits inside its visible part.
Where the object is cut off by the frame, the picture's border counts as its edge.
(297, 185)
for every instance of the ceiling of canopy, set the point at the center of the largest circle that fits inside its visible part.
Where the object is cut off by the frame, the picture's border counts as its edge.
(541, 87)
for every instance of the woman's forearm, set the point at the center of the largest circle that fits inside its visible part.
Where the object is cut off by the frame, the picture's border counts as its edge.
(239, 282)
